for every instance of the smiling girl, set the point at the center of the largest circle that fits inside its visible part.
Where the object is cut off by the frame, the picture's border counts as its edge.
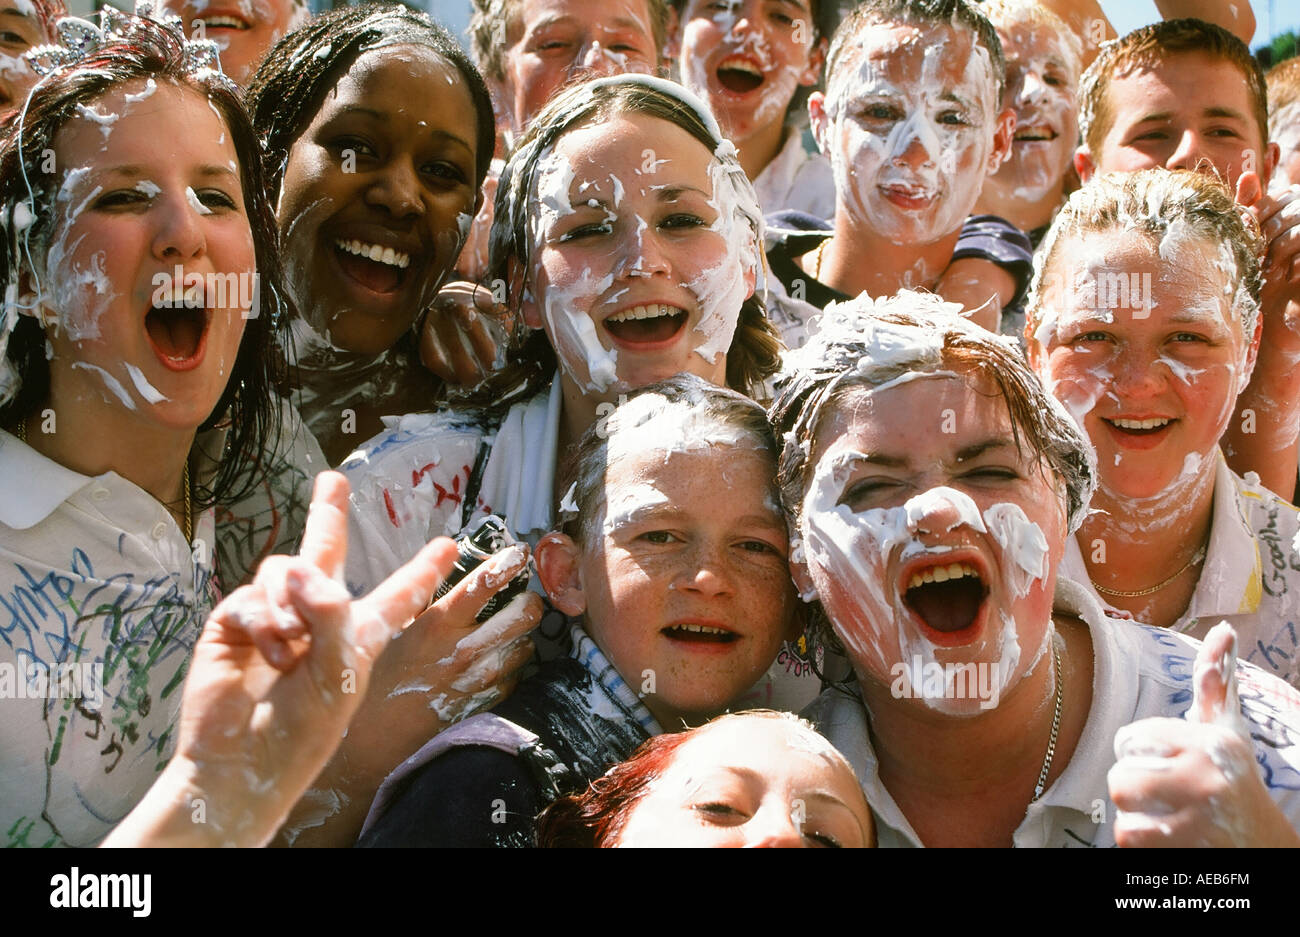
(627, 268)
(379, 133)
(132, 404)
(244, 30)
(680, 601)
(934, 485)
(1145, 324)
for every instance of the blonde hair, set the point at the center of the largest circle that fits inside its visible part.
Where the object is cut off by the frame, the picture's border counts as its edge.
(1159, 203)
(1283, 82)
(1004, 14)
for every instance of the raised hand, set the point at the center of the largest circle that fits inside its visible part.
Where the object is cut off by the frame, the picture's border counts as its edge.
(280, 669)
(1194, 781)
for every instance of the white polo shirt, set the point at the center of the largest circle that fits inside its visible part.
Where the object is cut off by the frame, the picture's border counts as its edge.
(93, 571)
(1250, 578)
(1138, 672)
(797, 179)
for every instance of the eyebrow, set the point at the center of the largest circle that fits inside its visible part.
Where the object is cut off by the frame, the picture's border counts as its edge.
(1207, 112)
(979, 448)
(622, 22)
(383, 117)
(793, 3)
(670, 193)
(132, 171)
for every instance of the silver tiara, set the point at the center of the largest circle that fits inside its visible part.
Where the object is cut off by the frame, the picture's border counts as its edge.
(79, 38)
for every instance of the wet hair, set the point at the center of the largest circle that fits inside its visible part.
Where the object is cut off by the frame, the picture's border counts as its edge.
(48, 14)
(1145, 48)
(864, 344)
(493, 21)
(596, 818)
(755, 350)
(1007, 14)
(1160, 204)
(959, 14)
(716, 416)
(291, 83)
(917, 333)
(1283, 83)
(148, 50)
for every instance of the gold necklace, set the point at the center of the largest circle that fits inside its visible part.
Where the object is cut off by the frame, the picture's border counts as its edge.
(817, 258)
(1056, 721)
(1196, 558)
(188, 517)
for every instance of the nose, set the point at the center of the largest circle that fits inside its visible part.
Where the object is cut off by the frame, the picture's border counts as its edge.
(643, 254)
(940, 510)
(397, 190)
(773, 828)
(918, 142)
(179, 235)
(595, 61)
(1136, 375)
(706, 573)
(1032, 87)
(1189, 153)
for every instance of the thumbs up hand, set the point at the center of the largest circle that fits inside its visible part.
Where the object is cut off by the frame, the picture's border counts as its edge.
(1194, 781)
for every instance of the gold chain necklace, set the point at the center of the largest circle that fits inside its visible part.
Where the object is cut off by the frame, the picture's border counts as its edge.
(185, 485)
(1196, 558)
(817, 258)
(1056, 721)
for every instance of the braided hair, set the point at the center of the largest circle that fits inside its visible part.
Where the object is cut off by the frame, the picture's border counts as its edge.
(290, 85)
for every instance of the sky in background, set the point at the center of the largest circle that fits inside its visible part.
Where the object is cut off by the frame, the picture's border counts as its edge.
(1128, 15)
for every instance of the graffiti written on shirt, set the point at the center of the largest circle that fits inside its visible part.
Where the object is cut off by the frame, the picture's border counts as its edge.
(1275, 582)
(139, 629)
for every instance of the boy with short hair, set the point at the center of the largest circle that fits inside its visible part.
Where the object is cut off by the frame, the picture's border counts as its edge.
(912, 123)
(1186, 94)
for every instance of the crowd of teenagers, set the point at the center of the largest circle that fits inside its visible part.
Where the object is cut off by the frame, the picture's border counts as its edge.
(671, 422)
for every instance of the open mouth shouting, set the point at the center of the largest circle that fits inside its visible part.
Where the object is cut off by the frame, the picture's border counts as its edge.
(946, 598)
(739, 74)
(177, 333)
(646, 327)
(376, 267)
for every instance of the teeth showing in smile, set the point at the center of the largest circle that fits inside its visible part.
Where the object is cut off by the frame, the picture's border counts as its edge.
(942, 574)
(223, 22)
(383, 255)
(653, 311)
(701, 629)
(1140, 424)
(741, 65)
(1035, 133)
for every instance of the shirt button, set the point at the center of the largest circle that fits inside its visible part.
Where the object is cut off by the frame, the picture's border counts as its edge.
(159, 530)
(100, 494)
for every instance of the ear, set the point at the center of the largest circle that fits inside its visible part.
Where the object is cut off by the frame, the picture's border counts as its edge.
(1252, 353)
(820, 121)
(1003, 137)
(802, 580)
(558, 561)
(816, 59)
(1272, 156)
(1083, 164)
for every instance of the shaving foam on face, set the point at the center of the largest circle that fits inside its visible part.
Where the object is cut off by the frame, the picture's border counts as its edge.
(719, 289)
(854, 551)
(900, 163)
